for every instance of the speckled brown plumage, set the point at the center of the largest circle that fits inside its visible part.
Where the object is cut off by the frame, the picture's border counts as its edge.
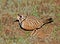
(31, 22)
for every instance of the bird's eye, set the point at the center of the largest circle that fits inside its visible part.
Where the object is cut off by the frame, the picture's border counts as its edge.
(20, 16)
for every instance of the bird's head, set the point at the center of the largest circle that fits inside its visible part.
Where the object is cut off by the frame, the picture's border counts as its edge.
(20, 18)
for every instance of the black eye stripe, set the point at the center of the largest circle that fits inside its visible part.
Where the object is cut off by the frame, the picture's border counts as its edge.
(20, 16)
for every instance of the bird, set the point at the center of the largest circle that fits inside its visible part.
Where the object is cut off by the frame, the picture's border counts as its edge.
(31, 22)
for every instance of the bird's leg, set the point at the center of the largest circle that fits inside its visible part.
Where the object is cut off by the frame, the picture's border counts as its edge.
(33, 32)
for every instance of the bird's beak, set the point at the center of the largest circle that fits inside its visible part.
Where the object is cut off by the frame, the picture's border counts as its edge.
(16, 21)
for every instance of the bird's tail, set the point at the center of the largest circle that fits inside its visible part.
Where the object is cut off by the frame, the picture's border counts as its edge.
(48, 20)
